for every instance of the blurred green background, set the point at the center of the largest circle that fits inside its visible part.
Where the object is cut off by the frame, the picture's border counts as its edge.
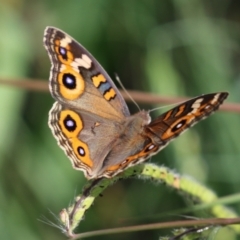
(170, 48)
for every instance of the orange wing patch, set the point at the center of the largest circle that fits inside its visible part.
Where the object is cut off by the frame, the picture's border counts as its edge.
(98, 79)
(71, 125)
(109, 94)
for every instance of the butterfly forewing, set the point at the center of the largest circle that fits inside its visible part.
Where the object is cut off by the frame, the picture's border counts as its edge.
(78, 79)
(174, 122)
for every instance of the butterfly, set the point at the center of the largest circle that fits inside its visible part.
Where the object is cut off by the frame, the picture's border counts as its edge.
(91, 120)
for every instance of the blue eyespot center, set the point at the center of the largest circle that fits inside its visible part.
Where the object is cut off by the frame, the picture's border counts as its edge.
(69, 81)
(63, 52)
(70, 123)
(179, 125)
(81, 151)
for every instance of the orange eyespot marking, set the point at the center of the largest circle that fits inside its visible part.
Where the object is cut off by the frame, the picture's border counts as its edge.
(71, 83)
(63, 52)
(109, 94)
(81, 151)
(98, 79)
(178, 126)
(70, 123)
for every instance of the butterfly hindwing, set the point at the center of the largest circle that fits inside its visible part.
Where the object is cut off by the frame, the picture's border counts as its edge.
(85, 138)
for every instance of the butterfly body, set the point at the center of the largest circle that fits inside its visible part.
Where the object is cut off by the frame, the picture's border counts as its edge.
(91, 120)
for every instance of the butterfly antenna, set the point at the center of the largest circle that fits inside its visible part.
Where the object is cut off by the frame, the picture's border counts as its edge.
(157, 108)
(169, 105)
(125, 90)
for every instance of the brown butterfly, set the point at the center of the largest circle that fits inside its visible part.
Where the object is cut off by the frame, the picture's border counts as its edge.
(91, 120)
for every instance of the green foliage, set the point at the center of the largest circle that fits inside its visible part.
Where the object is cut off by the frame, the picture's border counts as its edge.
(172, 48)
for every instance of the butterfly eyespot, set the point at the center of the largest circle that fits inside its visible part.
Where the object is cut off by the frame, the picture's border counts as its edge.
(63, 52)
(81, 151)
(69, 81)
(150, 147)
(69, 123)
(179, 125)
